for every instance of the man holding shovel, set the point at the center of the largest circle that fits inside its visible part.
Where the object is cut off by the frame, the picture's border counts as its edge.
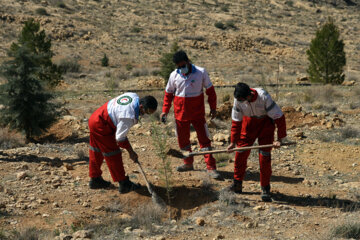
(254, 116)
(109, 126)
(185, 87)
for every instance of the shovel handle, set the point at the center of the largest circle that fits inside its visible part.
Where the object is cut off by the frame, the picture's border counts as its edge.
(238, 149)
(143, 173)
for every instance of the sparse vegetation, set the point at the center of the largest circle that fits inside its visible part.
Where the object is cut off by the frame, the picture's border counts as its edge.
(167, 65)
(222, 159)
(41, 11)
(105, 61)
(69, 66)
(220, 25)
(10, 140)
(347, 230)
(147, 215)
(326, 55)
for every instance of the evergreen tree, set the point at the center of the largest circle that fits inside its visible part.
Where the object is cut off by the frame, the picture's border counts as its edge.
(37, 43)
(27, 103)
(167, 64)
(105, 61)
(326, 56)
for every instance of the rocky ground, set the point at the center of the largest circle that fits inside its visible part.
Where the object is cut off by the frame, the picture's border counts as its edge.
(316, 184)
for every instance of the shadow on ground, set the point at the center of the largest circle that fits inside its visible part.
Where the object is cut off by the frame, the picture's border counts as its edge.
(54, 162)
(255, 176)
(343, 204)
(183, 198)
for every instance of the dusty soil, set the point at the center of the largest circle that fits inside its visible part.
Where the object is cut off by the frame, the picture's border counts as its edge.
(315, 184)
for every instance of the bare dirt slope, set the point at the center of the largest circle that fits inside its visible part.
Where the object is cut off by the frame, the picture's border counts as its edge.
(316, 185)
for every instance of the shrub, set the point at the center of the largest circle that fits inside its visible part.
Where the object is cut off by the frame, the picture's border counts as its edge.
(61, 5)
(10, 140)
(326, 56)
(111, 84)
(347, 230)
(129, 66)
(227, 197)
(167, 65)
(69, 65)
(146, 215)
(225, 8)
(230, 24)
(349, 132)
(105, 61)
(226, 98)
(220, 25)
(41, 11)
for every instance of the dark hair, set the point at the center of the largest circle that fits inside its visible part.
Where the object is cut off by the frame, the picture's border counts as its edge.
(180, 56)
(242, 90)
(149, 102)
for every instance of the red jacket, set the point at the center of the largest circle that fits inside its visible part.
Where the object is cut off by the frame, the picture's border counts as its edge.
(187, 92)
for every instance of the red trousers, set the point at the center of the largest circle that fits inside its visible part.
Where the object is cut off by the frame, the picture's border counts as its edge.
(183, 135)
(103, 145)
(252, 129)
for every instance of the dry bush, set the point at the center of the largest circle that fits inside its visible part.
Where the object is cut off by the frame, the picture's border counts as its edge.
(31, 234)
(222, 159)
(147, 215)
(227, 197)
(349, 132)
(347, 230)
(111, 83)
(325, 93)
(10, 139)
(138, 72)
(69, 65)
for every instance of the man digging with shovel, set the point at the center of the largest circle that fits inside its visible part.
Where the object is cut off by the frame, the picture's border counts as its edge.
(254, 116)
(109, 126)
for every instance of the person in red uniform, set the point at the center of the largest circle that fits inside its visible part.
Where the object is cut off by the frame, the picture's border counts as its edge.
(254, 116)
(109, 126)
(185, 87)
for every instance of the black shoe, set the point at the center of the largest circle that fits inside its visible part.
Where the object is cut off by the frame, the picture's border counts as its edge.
(185, 168)
(236, 186)
(98, 182)
(126, 186)
(265, 194)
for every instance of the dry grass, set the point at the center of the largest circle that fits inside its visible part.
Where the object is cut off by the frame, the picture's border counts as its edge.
(10, 139)
(147, 215)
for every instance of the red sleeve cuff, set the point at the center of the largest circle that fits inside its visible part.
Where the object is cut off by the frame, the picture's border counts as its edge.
(281, 127)
(124, 144)
(211, 97)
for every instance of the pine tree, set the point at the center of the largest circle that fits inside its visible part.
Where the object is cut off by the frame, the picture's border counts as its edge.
(27, 102)
(37, 43)
(105, 61)
(167, 64)
(326, 56)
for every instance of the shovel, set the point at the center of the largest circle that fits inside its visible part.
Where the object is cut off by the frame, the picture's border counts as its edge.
(154, 197)
(178, 154)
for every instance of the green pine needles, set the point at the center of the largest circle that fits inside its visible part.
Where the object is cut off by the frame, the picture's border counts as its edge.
(326, 55)
(30, 74)
(167, 64)
(160, 138)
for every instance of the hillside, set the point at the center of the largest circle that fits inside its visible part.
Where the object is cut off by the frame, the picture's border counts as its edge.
(44, 190)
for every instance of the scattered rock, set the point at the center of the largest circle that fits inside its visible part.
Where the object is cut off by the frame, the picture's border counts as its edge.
(21, 175)
(82, 234)
(200, 221)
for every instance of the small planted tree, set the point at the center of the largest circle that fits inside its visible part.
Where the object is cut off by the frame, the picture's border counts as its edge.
(326, 56)
(160, 138)
(167, 64)
(29, 72)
